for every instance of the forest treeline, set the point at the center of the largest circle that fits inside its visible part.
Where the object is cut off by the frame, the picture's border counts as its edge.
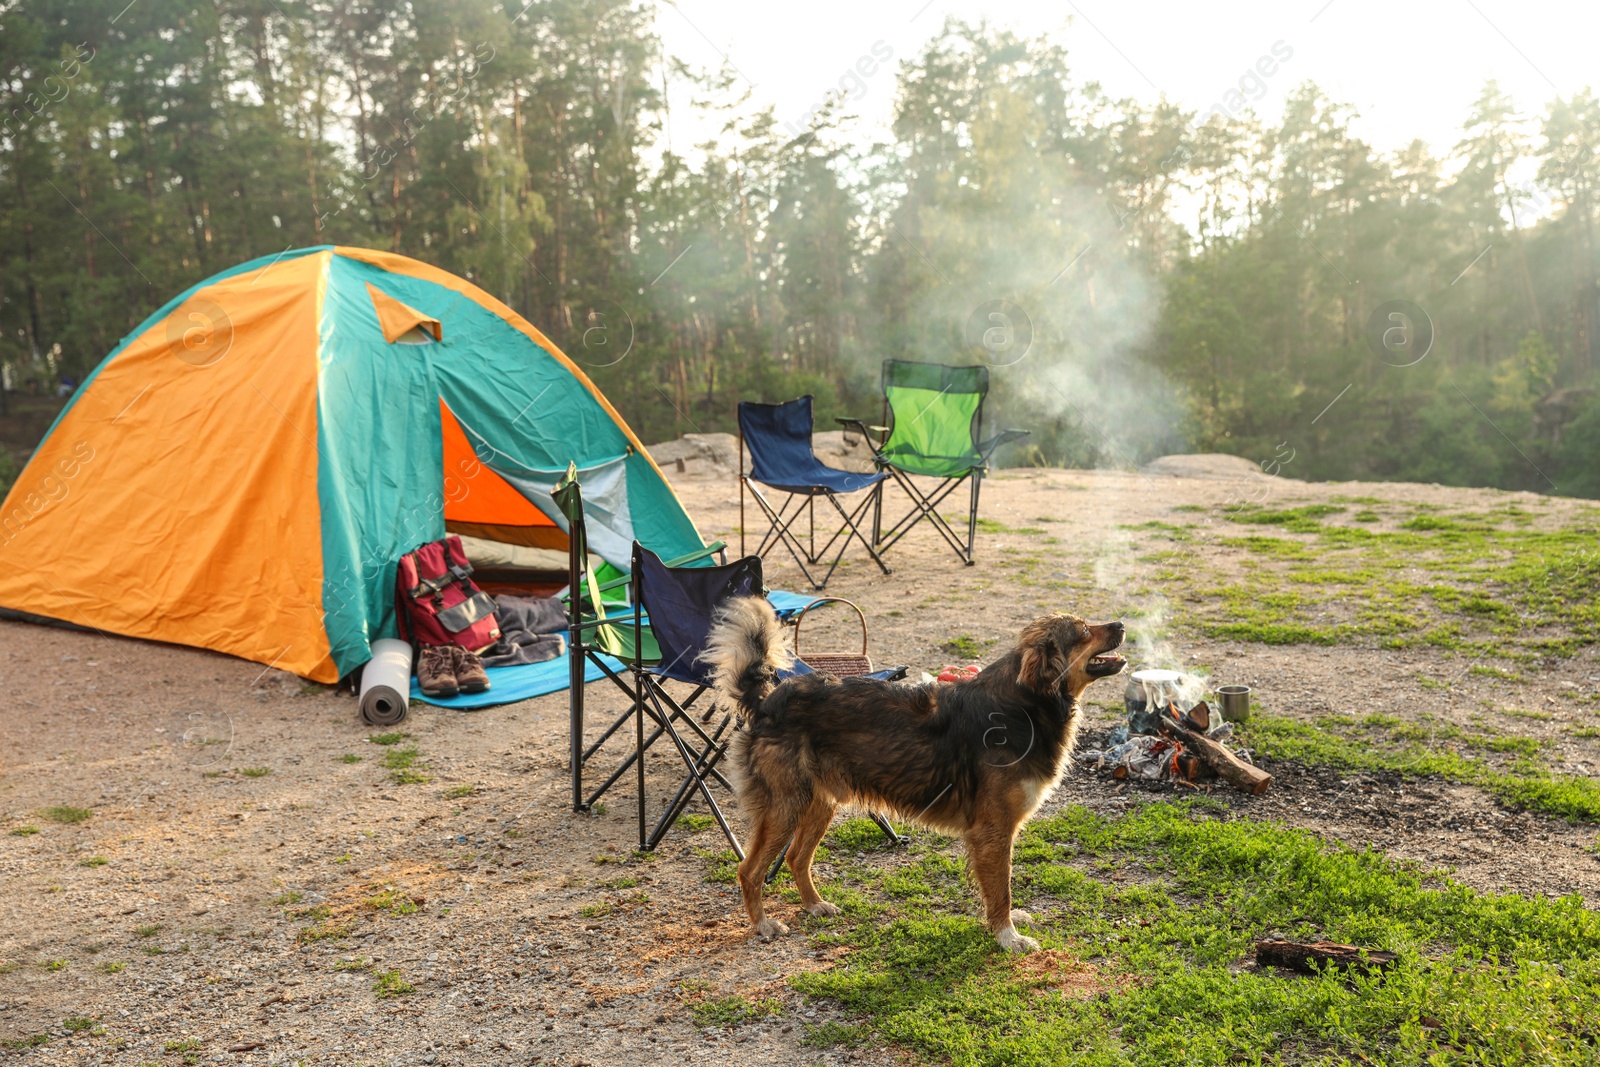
(1142, 278)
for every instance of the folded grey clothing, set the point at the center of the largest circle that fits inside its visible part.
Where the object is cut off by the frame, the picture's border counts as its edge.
(531, 614)
(519, 647)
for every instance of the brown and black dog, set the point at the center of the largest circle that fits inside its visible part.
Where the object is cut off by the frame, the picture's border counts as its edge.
(973, 758)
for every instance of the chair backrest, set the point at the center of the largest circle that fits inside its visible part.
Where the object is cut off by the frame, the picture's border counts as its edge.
(937, 415)
(682, 603)
(779, 439)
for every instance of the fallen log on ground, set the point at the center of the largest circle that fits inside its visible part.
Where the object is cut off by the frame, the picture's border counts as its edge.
(1305, 957)
(1236, 771)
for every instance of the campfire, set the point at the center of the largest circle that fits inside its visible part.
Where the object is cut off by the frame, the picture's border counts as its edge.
(1172, 734)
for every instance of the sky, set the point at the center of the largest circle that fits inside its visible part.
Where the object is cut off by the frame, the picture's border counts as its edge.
(1410, 67)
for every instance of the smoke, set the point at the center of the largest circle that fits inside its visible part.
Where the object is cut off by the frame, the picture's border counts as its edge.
(1147, 614)
(1032, 271)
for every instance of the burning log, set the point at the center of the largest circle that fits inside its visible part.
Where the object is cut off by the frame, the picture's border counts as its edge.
(1301, 956)
(1238, 773)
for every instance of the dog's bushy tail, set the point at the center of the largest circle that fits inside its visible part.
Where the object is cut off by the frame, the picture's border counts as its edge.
(746, 652)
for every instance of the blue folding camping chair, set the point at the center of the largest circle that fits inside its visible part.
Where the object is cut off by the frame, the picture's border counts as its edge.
(781, 458)
(681, 605)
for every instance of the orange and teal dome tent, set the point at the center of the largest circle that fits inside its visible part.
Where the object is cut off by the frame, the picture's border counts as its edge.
(243, 471)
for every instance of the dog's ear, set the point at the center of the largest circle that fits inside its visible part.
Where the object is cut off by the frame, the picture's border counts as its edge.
(1044, 660)
(1035, 666)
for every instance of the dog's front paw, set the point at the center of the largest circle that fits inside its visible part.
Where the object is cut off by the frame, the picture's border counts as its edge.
(1012, 941)
(1020, 916)
(771, 928)
(822, 907)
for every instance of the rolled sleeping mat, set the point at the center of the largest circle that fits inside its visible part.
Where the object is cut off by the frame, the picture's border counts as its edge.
(386, 682)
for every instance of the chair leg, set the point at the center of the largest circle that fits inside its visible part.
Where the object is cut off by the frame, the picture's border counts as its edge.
(877, 514)
(638, 740)
(811, 515)
(895, 836)
(705, 792)
(575, 664)
(972, 516)
(925, 506)
(851, 528)
(781, 523)
(705, 764)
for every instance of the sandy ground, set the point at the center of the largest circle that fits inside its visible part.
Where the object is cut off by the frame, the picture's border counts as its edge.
(529, 934)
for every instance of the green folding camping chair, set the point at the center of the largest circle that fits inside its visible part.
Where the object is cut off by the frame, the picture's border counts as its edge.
(934, 429)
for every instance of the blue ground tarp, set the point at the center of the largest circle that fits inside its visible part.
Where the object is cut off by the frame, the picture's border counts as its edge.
(507, 685)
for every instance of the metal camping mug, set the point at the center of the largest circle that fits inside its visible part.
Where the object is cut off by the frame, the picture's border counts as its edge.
(1235, 702)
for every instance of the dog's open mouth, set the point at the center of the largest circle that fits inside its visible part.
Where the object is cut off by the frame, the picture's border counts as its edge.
(1105, 664)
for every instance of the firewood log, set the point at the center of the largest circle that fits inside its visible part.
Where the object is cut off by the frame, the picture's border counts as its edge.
(1238, 773)
(1302, 956)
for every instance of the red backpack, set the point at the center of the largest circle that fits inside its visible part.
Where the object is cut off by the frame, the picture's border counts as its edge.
(439, 604)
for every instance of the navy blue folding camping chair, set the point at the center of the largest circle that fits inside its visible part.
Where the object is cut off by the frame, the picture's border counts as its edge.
(781, 458)
(681, 604)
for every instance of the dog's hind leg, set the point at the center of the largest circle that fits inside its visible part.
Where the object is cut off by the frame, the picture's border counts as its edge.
(774, 825)
(813, 827)
(989, 849)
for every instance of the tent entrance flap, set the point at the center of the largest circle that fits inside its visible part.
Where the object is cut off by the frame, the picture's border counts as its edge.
(475, 494)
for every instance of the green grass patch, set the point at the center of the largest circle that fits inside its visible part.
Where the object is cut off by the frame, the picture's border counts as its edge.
(694, 822)
(24, 831)
(93, 861)
(457, 792)
(1305, 519)
(402, 766)
(1144, 969)
(255, 772)
(392, 901)
(394, 737)
(996, 526)
(732, 1010)
(967, 647)
(1478, 584)
(349, 757)
(722, 866)
(66, 813)
(1522, 713)
(388, 984)
(326, 930)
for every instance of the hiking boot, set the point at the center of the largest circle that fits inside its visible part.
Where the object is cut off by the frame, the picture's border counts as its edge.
(470, 674)
(436, 671)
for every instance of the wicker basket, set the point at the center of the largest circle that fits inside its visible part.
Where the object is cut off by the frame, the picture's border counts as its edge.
(838, 664)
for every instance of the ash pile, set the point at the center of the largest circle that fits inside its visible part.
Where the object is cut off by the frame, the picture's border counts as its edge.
(1172, 733)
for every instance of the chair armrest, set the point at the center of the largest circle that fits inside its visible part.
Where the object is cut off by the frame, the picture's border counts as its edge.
(986, 449)
(865, 431)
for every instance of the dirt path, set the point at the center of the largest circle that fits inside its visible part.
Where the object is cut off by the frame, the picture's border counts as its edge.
(527, 931)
